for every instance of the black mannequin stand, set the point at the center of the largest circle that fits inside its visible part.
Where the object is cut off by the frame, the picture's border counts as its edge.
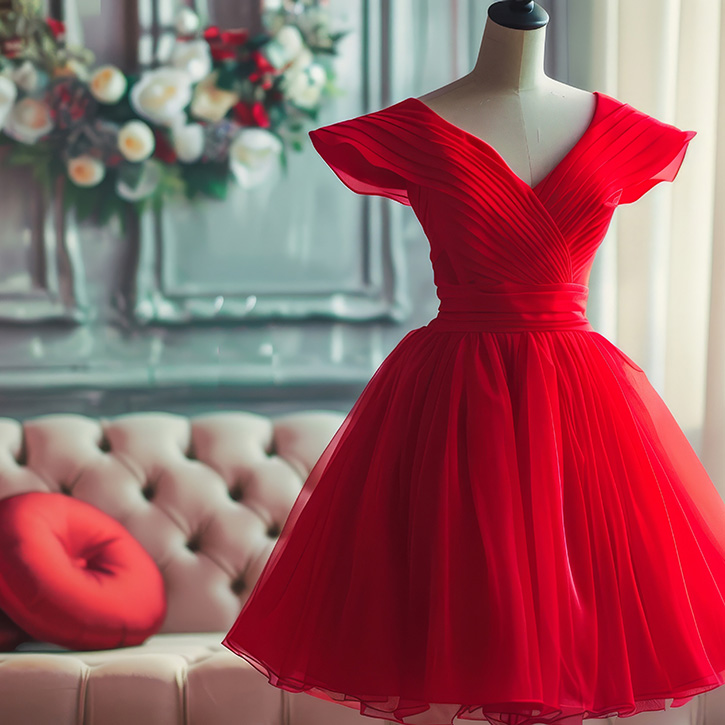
(518, 14)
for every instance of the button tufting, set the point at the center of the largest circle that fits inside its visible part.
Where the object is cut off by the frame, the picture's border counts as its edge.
(236, 492)
(104, 445)
(148, 491)
(194, 543)
(22, 458)
(65, 489)
(273, 531)
(237, 585)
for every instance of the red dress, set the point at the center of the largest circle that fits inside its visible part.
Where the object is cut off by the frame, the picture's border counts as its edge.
(509, 525)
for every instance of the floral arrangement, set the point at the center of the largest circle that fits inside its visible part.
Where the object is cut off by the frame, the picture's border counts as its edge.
(224, 107)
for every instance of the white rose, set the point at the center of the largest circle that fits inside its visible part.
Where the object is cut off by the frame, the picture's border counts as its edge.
(300, 63)
(150, 178)
(188, 142)
(253, 155)
(186, 22)
(284, 47)
(274, 53)
(291, 40)
(28, 120)
(108, 84)
(136, 141)
(305, 88)
(317, 74)
(86, 170)
(161, 95)
(8, 94)
(298, 67)
(307, 97)
(192, 56)
(211, 103)
(26, 77)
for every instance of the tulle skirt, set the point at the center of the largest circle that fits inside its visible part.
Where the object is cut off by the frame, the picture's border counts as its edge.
(507, 527)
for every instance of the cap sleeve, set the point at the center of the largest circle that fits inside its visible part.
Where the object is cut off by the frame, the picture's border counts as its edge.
(363, 153)
(657, 152)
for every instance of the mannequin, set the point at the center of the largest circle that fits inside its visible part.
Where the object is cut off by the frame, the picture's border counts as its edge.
(507, 100)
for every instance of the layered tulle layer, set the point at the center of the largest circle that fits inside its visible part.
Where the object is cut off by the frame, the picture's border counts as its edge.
(507, 527)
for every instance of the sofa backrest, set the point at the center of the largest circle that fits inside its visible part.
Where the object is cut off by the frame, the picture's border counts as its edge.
(206, 496)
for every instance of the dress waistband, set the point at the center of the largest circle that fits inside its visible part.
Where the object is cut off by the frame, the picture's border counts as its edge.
(556, 306)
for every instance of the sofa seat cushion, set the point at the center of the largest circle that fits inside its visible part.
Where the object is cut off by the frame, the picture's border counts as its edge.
(169, 679)
(73, 575)
(193, 646)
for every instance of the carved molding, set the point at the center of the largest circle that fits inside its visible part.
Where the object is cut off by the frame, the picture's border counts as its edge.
(383, 296)
(60, 291)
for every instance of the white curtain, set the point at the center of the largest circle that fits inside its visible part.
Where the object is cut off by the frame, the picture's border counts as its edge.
(656, 286)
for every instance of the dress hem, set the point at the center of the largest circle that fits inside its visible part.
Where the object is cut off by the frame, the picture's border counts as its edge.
(539, 713)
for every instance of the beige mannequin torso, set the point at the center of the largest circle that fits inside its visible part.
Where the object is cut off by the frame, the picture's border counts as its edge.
(507, 100)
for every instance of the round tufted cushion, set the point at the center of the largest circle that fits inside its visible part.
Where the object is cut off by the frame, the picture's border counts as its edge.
(10, 634)
(72, 575)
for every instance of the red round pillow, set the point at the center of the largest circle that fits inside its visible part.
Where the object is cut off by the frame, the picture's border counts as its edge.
(72, 575)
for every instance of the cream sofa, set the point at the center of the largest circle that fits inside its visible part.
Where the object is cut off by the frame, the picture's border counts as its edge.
(206, 496)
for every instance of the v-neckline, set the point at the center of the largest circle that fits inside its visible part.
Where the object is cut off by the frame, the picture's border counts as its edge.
(486, 145)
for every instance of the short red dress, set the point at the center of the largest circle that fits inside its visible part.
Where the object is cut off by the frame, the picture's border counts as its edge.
(509, 526)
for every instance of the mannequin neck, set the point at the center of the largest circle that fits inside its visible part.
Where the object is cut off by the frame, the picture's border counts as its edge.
(509, 59)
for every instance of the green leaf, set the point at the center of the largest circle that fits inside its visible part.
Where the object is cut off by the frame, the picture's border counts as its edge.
(217, 189)
(41, 174)
(171, 183)
(323, 50)
(106, 212)
(246, 67)
(130, 173)
(21, 155)
(206, 178)
(228, 76)
(85, 203)
(257, 41)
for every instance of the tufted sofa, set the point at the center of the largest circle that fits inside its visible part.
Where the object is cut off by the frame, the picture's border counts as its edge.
(206, 496)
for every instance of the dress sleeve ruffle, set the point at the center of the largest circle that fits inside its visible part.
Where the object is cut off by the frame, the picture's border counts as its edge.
(362, 152)
(658, 150)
